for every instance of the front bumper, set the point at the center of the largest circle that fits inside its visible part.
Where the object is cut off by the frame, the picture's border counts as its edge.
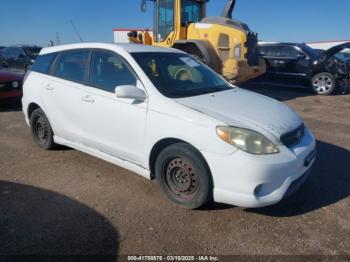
(247, 72)
(238, 71)
(248, 180)
(10, 94)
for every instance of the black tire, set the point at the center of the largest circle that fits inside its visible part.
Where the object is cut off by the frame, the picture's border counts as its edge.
(184, 176)
(41, 130)
(323, 84)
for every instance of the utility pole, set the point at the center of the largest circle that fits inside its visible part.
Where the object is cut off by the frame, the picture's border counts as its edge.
(57, 38)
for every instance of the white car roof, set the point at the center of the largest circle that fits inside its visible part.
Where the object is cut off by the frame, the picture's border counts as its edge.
(130, 48)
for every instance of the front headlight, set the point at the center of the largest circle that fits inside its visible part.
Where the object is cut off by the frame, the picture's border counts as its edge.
(15, 84)
(247, 140)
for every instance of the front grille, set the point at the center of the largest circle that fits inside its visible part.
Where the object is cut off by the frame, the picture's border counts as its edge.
(293, 137)
(252, 46)
(224, 47)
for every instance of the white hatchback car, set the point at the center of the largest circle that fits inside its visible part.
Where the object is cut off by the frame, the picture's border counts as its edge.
(160, 113)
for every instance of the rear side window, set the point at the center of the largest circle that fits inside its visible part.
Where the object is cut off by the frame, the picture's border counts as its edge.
(109, 70)
(16, 52)
(73, 65)
(287, 52)
(8, 52)
(267, 51)
(43, 63)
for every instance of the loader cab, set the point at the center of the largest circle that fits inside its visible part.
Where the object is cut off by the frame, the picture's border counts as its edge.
(173, 16)
(192, 11)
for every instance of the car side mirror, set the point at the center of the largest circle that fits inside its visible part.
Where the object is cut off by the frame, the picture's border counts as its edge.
(130, 92)
(21, 56)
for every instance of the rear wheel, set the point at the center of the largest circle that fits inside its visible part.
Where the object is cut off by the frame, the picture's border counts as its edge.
(323, 83)
(41, 130)
(184, 176)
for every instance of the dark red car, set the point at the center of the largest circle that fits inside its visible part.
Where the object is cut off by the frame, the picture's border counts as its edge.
(10, 86)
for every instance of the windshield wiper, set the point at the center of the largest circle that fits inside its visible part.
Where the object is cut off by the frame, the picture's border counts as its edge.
(197, 92)
(210, 90)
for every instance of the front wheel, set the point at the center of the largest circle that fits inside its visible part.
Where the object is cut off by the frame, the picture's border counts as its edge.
(323, 84)
(184, 176)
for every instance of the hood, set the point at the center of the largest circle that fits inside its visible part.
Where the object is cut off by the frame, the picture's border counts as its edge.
(241, 108)
(9, 76)
(232, 23)
(336, 49)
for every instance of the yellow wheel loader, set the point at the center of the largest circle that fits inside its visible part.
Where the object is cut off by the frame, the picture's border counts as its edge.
(226, 45)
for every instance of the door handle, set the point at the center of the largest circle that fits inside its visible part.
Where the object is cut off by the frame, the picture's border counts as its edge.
(48, 87)
(88, 99)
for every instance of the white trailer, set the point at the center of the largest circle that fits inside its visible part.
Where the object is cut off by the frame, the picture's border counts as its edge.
(121, 34)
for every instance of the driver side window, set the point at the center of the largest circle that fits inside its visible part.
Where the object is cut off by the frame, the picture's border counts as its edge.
(108, 70)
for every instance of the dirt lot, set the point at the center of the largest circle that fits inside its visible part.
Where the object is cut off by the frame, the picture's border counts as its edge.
(66, 202)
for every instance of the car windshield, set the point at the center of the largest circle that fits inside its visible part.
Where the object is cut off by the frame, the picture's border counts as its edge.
(344, 55)
(178, 75)
(32, 52)
(312, 53)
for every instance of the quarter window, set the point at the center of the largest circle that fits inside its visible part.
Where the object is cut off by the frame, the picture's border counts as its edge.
(73, 65)
(109, 70)
(42, 63)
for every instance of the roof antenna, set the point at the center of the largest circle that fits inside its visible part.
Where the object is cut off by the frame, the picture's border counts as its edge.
(76, 31)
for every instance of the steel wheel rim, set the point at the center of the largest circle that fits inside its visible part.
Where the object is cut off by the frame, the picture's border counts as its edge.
(181, 178)
(322, 84)
(41, 129)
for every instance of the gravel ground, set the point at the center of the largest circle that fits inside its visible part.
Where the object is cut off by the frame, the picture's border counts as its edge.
(65, 202)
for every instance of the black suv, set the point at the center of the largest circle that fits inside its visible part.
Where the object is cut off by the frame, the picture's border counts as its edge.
(18, 58)
(300, 65)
